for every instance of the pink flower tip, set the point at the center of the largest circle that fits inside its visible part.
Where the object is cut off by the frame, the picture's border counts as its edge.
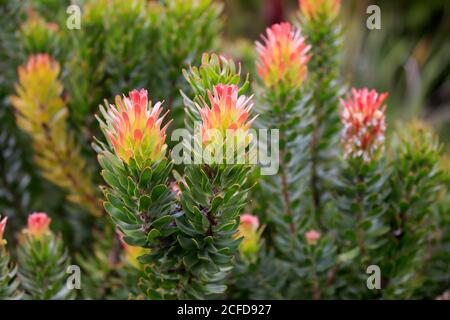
(249, 221)
(283, 56)
(312, 237)
(38, 224)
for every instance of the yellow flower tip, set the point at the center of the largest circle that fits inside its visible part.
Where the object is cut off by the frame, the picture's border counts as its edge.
(38, 224)
(226, 112)
(283, 56)
(2, 230)
(362, 114)
(134, 128)
(312, 237)
(313, 9)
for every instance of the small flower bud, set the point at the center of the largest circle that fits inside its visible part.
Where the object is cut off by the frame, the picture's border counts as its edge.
(312, 237)
(38, 224)
(248, 229)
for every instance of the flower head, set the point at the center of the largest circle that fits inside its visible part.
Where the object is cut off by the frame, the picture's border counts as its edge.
(248, 229)
(283, 56)
(249, 223)
(312, 237)
(313, 9)
(2, 230)
(39, 67)
(134, 128)
(228, 112)
(364, 124)
(38, 224)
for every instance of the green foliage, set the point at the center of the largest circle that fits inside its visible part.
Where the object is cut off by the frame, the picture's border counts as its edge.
(415, 183)
(43, 263)
(209, 224)
(362, 190)
(9, 283)
(104, 272)
(324, 35)
(182, 242)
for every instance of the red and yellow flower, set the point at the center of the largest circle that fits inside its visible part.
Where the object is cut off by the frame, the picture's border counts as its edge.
(227, 113)
(283, 56)
(2, 230)
(134, 128)
(38, 224)
(314, 9)
(364, 123)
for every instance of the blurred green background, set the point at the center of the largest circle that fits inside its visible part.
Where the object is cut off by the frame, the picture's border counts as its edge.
(409, 57)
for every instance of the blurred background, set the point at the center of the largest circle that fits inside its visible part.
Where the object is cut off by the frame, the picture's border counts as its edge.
(409, 57)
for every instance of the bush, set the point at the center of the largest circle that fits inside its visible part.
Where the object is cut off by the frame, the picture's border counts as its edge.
(349, 195)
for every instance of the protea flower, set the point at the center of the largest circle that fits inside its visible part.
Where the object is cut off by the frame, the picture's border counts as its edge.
(2, 230)
(314, 9)
(283, 56)
(38, 224)
(312, 237)
(134, 128)
(249, 229)
(227, 113)
(39, 67)
(364, 124)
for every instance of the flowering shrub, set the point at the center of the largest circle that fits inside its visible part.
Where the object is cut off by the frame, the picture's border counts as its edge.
(349, 191)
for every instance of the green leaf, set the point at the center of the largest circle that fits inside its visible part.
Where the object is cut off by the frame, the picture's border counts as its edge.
(158, 192)
(160, 222)
(144, 203)
(153, 234)
(145, 177)
(349, 255)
